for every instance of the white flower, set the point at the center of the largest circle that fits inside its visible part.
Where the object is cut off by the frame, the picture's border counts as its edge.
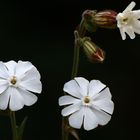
(89, 104)
(128, 22)
(17, 81)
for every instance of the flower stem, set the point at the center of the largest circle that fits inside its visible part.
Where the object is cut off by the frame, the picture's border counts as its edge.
(13, 125)
(80, 32)
(76, 56)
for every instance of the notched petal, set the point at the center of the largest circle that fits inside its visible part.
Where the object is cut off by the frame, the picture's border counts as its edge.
(66, 100)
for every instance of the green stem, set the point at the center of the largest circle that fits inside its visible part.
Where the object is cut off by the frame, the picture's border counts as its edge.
(13, 125)
(81, 29)
(78, 33)
(76, 56)
(65, 124)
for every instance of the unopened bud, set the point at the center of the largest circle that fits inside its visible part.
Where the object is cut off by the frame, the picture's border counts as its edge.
(106, 19)
(102, 19)
(93, 52)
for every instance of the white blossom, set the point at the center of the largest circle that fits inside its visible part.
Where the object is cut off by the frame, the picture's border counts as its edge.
(17, 82)
(128, 21)
(89, 103)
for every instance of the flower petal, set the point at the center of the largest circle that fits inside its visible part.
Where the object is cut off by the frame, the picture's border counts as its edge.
(76, 119)
(136, 14)
(22, 67)
(136, 30)
(105, 105)
(130, 32)
(16, 100)
(83, 84)
(70, 109)
(28, 98)
(122, 32)
(136, 26)
(33, 85)
(119, 19)
(66, 100)
(105, 94)
(130, 7)
(33, 73)
(95, 86)
(4, 99)
(3, 85)
(3, 71)
(11, 65)
(72, 88)
(90, 119)
(103, 118)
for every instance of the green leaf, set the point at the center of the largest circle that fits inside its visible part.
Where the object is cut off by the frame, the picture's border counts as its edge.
(21, 128)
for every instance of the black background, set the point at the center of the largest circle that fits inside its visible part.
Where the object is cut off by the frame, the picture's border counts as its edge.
(42, 32)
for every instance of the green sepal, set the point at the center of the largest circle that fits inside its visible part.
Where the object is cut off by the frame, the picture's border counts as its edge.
(90, 26)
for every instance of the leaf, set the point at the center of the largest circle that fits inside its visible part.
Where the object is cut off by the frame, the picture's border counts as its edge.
(74, 133)
(21, 128)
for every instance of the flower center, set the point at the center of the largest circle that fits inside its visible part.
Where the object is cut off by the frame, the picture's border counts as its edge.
(86, 100)
(125, 20)
(13, 80)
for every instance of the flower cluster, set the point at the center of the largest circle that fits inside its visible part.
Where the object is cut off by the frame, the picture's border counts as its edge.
(87, 104)
(127, 21)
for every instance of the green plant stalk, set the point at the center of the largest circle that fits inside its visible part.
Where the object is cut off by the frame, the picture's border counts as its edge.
(75, 58)
(78, 33)
(13, 125)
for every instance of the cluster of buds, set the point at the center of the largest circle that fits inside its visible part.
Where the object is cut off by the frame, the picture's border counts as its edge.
(92, 20)
(102, 19)
(92, 51)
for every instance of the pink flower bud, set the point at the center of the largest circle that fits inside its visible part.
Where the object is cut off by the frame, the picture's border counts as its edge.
(99, 55)
(106, 19)
(102, 19)
(94, 53)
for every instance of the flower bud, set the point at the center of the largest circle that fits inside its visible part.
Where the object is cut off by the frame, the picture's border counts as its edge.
(93, 52)
(102, 19)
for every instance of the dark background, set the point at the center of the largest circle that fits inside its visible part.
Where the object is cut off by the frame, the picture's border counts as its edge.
(42, 32)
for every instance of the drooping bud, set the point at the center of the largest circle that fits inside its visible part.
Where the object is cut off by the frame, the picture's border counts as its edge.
(90, 25)
(93, 52)
(102, 19)
(106, 19)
